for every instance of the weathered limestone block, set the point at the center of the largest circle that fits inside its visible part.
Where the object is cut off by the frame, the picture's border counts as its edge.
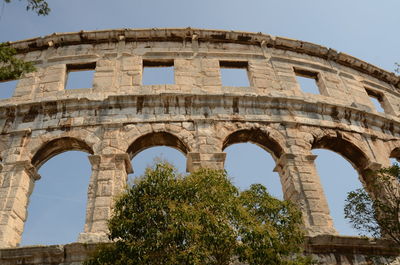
(50, 79)
(196, 161)
(105, 75)
(130, 72)
(25, 86)
(187, 73)
(262, 75)
(210, 73)
(335, 88)
(393, 104)
(285, 75)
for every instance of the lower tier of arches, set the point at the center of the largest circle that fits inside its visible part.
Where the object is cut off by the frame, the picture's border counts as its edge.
(111, 149)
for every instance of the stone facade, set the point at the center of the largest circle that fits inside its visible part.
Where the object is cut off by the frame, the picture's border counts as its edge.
(118, 117)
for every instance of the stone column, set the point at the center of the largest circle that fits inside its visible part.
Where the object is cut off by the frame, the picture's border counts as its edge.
(130, 72)
(17, 181)
(104, 76)
(206, 153)
(210, 74)
(302, 186)
(262, 75)
(205, 160)
(109, 177)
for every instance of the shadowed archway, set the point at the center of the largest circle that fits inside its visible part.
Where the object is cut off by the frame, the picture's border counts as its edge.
(356, 157)
(58, 146)
(157, 139)
(255, 136)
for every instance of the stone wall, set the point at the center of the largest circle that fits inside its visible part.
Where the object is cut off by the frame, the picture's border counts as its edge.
(118, 117)
(327, 250)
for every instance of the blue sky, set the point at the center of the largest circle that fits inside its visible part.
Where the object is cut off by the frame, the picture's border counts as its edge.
(366, 29)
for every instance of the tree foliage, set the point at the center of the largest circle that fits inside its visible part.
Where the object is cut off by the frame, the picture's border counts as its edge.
(41, 7)
(377, 215)
(12, 67)
(201, 218)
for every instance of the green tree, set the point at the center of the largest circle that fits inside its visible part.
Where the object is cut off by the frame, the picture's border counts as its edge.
(11, 66)
(377, 215)
(201, 218)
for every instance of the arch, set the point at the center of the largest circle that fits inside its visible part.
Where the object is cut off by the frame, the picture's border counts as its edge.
(61, 193)
(156, 139)
(351, 152)
(395, 153)
(255, 168)
(58, 146)
(255, 136)
(337, 177)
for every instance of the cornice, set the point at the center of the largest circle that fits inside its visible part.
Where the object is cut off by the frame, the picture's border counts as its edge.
(178, 107)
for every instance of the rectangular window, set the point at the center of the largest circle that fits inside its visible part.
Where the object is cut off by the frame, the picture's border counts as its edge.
(376, 99)
(158, 72)
(7, 89)
(80, 75)
(234, 73)
(308, 81)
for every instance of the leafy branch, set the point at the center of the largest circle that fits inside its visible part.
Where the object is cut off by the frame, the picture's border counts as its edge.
(377, 214)
(41, 7)
(12, 67)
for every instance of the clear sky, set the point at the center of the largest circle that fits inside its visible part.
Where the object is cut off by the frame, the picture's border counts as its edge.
(367, 29)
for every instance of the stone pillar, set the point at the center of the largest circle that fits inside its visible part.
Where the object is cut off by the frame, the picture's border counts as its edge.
(205, 160)
(302, 186)
(210, 74)
(262, 75)
(51, 80)
(108, 179)
(17, 181)
(104, 76)
(130, 72)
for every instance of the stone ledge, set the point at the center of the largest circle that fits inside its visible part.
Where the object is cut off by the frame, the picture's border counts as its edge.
(345, 245)
(279, 109)
(73, 254)
(68, 254)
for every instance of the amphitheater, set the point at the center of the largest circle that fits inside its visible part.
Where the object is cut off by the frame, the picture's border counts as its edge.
(118, 117)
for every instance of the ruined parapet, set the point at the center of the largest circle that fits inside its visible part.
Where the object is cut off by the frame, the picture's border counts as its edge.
(118, 116)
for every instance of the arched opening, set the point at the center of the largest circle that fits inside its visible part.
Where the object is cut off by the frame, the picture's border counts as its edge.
(149, 148)
(156, 139)
(248, 164)
(148, 157)
(339, 164)
(338, 177)
(348, 150)
(57, 205)
(255, 136)
(395, 156)
(250, 160)
(58, 146)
